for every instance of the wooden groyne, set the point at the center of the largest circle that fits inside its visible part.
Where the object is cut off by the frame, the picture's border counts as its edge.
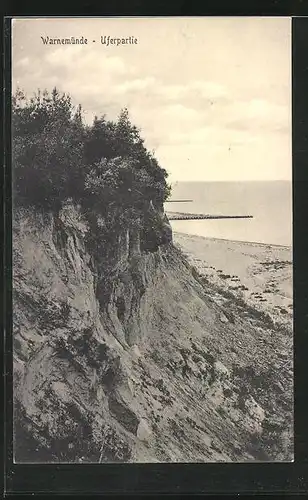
(182, 216)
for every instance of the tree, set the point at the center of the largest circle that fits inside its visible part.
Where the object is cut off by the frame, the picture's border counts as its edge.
(47, 148)
(100, 141)
(105, 166)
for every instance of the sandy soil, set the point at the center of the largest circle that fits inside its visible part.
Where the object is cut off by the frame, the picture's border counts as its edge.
(205, 377)
(258, 273)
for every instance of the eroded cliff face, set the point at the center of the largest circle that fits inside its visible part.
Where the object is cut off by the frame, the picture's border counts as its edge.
(156, 369)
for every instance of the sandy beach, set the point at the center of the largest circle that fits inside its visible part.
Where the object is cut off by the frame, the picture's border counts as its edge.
(260, 274)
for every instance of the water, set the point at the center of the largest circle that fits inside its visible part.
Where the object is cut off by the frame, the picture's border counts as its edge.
(270, 203)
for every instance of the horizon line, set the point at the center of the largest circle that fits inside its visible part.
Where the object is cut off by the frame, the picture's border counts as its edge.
(251, 180)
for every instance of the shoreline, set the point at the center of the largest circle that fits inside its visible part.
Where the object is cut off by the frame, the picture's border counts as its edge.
(260, 274)
(245, 242)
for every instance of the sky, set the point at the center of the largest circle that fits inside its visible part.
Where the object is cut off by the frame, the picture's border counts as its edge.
(211, 95)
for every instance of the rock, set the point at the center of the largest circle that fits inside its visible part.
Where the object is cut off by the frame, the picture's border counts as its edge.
(135, 350)
(144, 431)
(221, 370)
(223, 318)
(130, 387)
(279, 386)
(255, 410)
(123, 414)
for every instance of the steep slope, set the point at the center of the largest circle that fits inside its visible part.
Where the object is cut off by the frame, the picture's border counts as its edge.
(163, 367)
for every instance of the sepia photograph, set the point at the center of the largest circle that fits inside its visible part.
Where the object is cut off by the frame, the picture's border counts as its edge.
(152, 240)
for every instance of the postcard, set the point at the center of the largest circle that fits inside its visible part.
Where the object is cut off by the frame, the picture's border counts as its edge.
(152, 240)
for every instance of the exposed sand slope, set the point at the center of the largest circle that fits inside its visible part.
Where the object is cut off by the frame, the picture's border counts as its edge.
(208, 380)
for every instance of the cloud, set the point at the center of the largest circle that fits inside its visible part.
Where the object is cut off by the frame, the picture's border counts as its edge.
(220, 109)
(257, 115)
(63, 56)
(208, 89)
(140, 84)
(193, 90)
(87, 59)
(171, 92)
(181, 112)
(211, 136)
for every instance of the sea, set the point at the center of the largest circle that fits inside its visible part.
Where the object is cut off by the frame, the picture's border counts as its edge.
(270, 204)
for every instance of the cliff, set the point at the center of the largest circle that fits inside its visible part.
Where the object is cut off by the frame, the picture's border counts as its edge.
(123, 353)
